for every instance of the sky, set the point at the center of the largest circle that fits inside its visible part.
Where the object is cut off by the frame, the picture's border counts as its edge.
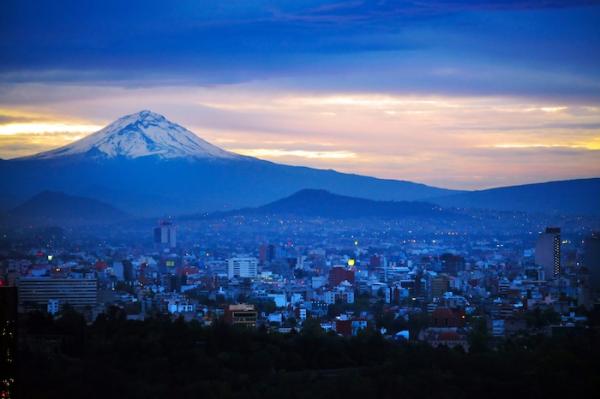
(459, 94)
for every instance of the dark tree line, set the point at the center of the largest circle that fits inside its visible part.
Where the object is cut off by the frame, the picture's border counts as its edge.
(161, 358)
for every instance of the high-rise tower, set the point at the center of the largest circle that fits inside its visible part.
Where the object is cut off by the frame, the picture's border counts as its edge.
(547, 252)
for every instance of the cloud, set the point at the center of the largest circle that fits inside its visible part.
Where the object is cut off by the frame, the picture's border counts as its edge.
(535, 48)
(22, 144)
(369, 10)
(13, 119)
(422, 90)
(301, 153)
(454, 141)
(45, 128)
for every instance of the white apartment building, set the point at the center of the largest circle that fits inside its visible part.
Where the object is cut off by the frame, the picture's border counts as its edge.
(242, 266)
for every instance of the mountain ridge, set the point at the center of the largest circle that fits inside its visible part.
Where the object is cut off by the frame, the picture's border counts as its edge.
(118, 165)
(55, 207)
(323, 203)
(575, 196)
(141, 163)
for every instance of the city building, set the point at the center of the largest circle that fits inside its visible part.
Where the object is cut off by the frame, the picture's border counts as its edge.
(342, 293)
(439, 286)
(166, 234)
(244, 267)
(349, 326)
(280, 300)
(452, 264)
(547, 252)
(450, 338)
(340, 273)
(37, 293)
(498, 329)
(445, 317)
(266, 253)
(591, 259)
(128, 272)
(180, 306)
(53, 306)
(241, 315)
(300, 313)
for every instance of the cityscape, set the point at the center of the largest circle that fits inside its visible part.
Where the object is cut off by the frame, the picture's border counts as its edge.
(349, 278)
(274, 199)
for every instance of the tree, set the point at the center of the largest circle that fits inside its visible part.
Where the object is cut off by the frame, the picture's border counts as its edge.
(479, 336)
(312, 327)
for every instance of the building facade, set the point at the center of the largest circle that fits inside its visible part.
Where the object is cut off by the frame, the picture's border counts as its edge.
(244, 267)
(547, 252)
(166, 234)
(241, 315)
(36, 293)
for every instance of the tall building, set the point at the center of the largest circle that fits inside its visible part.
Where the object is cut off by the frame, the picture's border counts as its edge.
(244, 267)
(166, 234)
(128, 273)
(439, 286)
(266, 253)
(418, 287)
(35, 293)
(452, 263)
(118, 271)
(547, 252)
(591, 259)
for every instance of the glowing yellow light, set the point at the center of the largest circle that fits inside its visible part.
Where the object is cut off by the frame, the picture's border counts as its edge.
(553, 109)
(351, 262)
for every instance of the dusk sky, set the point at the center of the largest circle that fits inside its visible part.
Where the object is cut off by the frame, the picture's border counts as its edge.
(459, 94)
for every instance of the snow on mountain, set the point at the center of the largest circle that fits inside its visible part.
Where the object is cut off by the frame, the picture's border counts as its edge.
(139, 135)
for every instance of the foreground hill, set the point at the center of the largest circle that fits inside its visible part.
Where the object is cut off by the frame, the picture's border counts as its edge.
(224, 362)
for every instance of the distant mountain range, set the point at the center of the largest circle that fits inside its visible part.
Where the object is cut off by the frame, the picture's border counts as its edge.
(49, 208)
(146, 165)
(56, 208)
(581, 196)
(322, 203)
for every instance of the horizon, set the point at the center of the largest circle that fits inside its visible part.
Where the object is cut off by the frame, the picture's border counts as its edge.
(462, 95)
(98, 129)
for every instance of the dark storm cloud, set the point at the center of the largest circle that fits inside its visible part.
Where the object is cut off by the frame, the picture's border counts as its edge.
(436, 46)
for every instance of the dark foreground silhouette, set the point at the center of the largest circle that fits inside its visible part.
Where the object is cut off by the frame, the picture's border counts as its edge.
(160, 358)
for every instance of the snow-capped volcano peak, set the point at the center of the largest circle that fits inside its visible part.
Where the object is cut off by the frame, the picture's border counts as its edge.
(142, 134)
